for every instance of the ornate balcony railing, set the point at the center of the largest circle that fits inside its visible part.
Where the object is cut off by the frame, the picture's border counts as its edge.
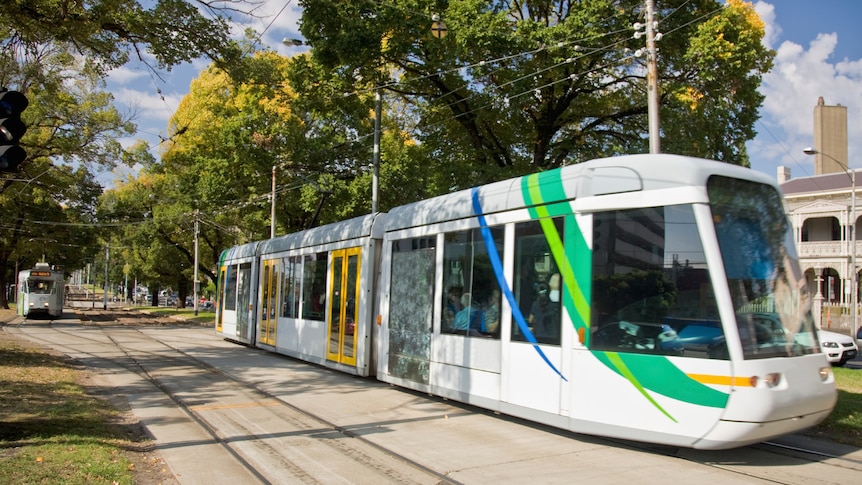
(825, 249)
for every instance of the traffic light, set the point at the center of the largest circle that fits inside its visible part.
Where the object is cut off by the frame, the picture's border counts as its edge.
(12, 103)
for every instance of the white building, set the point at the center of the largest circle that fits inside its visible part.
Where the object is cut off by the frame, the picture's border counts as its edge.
(822, 211)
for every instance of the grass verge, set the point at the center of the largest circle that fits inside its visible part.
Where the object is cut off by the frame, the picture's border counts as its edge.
(184, 313)
(844, 424)
(54, 430)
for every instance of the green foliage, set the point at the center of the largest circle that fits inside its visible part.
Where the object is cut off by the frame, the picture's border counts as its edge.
(528, 86)
(50, 205)
(109, 31)
(712, 85)
(57, 53)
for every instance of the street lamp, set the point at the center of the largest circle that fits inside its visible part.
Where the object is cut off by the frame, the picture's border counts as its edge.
(854, 284)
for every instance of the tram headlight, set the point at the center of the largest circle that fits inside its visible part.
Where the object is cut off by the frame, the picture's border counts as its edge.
(771, 380)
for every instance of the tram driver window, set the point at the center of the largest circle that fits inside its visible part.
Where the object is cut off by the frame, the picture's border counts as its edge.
(471, 306)
(537, 284)
(651, 287)
(40, 287)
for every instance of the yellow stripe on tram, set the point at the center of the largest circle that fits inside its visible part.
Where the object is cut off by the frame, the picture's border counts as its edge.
(721, 380)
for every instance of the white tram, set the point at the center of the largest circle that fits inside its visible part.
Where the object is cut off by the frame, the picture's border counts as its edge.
(41, 291)
(648, 297)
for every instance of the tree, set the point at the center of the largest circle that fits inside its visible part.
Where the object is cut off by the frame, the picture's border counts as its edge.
(525, 86)
(72, 129)
(108, 31)
(225, 138)
(49, 218)
(154, 236)
(57, 52)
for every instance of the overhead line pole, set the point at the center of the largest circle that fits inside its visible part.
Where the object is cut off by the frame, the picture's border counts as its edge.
(195, 282)
(105, 296)
(375, 175)
(272, 207)
(652, 80)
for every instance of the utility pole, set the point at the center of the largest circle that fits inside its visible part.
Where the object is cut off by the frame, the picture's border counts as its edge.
(272, 213)
(105, 306)
(652, 78)
(375, 175)
(195, 280)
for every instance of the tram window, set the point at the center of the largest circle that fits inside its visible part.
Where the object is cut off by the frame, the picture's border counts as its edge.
(472, 303)
(651, 288)
(291, 286)
(243, 288)
(537, 284)
(40, 287)
(230, 288)
(314, 286)
(267, 286)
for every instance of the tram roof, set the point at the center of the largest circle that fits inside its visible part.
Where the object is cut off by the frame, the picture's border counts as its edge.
(362, 226)
(614, 175)
(242, 251)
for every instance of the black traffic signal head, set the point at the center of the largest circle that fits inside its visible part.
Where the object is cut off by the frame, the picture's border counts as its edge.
(12, 103)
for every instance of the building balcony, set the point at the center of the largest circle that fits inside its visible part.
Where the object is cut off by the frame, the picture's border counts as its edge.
(825, 249)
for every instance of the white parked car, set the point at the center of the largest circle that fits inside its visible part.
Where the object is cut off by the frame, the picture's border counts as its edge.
(839, 348)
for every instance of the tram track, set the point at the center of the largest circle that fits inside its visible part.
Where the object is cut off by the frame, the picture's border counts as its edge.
(257, 449)
(738, 461)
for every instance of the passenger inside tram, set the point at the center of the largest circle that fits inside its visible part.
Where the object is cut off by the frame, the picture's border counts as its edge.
(469, 319)
(453, 306)
(492, 313)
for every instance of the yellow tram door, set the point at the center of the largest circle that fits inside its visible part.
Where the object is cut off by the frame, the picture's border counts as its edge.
(222, 279)
(269, 309)
(343, 306)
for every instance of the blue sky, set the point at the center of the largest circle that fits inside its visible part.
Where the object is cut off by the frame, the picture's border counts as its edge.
(819, 46)
(819, 53)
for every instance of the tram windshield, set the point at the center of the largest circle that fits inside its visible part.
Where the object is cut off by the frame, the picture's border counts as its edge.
(40, 287)
(769, 292)
(652, 287)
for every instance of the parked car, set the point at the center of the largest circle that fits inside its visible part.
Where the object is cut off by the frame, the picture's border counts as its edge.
(839, 348)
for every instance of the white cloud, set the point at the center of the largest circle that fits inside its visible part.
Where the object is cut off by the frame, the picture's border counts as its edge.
(773, 30)
(801, 76)
(798, 78)
(123, 75)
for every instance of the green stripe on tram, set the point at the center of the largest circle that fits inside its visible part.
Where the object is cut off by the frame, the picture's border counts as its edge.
(574, 260)
(658, 374)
